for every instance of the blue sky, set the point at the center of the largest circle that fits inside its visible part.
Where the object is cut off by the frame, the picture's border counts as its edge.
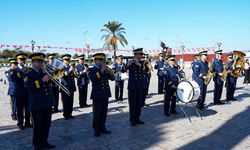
(73, 23)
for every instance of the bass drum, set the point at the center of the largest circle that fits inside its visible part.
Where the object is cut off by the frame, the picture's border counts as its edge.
(188, 91)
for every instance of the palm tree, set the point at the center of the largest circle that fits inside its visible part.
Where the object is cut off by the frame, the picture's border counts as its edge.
(114, 34)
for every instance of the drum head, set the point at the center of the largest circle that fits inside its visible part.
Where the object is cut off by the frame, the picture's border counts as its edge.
(185, 91)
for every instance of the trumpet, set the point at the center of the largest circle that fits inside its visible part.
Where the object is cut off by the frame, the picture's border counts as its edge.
(108, 70)
(55, 75)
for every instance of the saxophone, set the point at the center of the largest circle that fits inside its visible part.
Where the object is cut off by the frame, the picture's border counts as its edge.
(210, 73)
(224, 76)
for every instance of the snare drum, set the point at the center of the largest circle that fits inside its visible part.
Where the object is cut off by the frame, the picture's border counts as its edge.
(188, 91)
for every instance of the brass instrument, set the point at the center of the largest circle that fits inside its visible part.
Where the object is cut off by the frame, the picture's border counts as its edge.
(238, 64)
(108, 70)
(224, 76)
(210, 73)
(55, 75)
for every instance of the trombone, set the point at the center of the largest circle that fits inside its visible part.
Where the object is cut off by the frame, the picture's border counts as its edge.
(55, 75)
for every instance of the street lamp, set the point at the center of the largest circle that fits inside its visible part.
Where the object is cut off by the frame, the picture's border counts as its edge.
(32, 43)
(219, 44)
(182, 47)
(88, 49)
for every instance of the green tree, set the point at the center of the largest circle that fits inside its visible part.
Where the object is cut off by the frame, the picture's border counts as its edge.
(114, 33)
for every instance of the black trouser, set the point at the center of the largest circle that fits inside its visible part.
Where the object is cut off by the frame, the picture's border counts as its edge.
(41, 125)
(119, 90)
(83, 90)
(160, 84)
(231, 86)
(169, 97)
(55, 91)
(218, 87)
(135, 103)
(100, 109)
(67, 104)
(13, 106)
(22, 104)
(148, 83)
(144, 96)
(247, 76)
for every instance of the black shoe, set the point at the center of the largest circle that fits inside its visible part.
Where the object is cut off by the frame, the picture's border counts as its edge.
(28, 126)
(56, 111)
(14, 118)
(66, 118)
(21, 127)
(84, 106)
(37, 148)
(48, 146)
(132, 123)
(140, 122)
(173, 112)
(234, 99)
(97, 133)
(105, 131)
(167, 115)
(71, 117)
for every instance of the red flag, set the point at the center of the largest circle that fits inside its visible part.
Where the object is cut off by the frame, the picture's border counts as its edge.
(26, 46)
(15, 46)
(2, 46)
(39, 47)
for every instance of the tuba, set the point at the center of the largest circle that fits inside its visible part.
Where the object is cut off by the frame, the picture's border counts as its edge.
(238, 64)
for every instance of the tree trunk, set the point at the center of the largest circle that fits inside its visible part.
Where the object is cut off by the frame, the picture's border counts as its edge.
(114, 47)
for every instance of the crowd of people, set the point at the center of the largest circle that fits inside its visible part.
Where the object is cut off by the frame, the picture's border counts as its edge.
(34, 91)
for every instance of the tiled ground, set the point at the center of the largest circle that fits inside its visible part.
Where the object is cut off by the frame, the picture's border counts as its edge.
(222, 127)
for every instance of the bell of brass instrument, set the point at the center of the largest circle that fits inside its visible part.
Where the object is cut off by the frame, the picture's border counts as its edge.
(238, 64)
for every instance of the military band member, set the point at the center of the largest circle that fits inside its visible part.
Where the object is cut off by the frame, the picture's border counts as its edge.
(40, 101)
(231, 80)
(20, 92)
(118, 68)
(159, 65)
(172, 78)
(146, 78)
(55, 88)
(82, 81)
(218, 73)
(135, 86)
(200, 75)
(100, 75)
(68, 80)
(11, 88)
(196, 59)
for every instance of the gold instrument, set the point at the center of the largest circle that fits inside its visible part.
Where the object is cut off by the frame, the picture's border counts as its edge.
(224, 76)
(210, 73)
(238, 64)
(55, 74)
(108, 70)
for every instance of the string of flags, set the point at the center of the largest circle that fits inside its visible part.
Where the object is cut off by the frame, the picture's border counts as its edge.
(93, 50)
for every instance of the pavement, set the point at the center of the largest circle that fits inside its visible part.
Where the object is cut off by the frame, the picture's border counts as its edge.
(222, 127)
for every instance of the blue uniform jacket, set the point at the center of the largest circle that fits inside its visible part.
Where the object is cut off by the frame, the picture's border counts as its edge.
(68, 80)
(158, 65)
(83, 79)
(217, 68)
(135, 80)
(40, 93)
(171, 76)
(100, 83)
(200, 70)
(11, 87)
(17, 76)
(118, 69)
